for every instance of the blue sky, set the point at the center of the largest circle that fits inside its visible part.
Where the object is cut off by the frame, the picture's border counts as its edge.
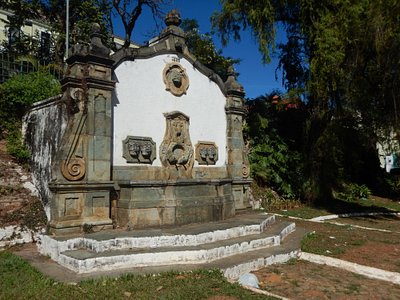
(256, 78)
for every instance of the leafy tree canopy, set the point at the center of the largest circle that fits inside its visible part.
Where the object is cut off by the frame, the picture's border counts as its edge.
(202, 46)
(343, 57)
(344, 53)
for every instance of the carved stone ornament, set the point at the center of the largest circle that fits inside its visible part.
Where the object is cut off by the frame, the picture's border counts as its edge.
(138, 149)
(175, 79)
(74, 169)
(245, 171)
(176, 151)
(206, 153)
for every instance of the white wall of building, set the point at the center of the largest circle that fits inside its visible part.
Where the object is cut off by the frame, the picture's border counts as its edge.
(140, 100)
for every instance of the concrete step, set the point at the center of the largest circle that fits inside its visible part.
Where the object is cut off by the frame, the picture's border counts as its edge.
(188, 235)
(84, 261)
(234, 266)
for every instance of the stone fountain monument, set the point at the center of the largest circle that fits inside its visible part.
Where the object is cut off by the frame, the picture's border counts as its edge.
(143, 137)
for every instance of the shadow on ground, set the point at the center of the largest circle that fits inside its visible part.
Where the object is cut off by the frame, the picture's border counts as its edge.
(338, 206)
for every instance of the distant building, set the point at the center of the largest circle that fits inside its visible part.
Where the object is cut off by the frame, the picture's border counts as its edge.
(31, 28)
(119, 42)
(36, 30)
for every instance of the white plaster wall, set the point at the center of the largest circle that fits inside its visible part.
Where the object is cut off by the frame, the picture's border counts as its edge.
(140, 100)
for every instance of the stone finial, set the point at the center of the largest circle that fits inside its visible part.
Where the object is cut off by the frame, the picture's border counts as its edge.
(231, 83)
(173, 18)
(96, 45)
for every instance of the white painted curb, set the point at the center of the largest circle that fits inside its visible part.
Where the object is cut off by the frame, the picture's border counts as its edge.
(234, 272)
(362, 214)
(369, 272)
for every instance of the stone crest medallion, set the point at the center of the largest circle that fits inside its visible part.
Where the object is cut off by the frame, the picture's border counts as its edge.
(175, 79)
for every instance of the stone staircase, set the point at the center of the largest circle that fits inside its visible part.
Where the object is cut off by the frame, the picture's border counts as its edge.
(241, 244)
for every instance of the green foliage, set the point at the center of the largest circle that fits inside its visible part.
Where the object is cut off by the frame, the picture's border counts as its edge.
(202, 46)
(270, 200)
(15, 147)
(237, 15)
(82, 16)
(354, 192)
(16, 96)
(392, 183)
(21, 91)
(343, 56)
(22, 44)
(272, 161)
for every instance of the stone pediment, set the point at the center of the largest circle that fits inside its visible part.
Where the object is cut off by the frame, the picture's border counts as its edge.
(169, 43)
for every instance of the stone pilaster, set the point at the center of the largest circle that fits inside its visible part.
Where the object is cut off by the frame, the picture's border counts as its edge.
(81, 182)
(238, 167)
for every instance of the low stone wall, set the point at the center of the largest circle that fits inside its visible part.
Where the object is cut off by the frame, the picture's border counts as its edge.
(15, 235)
(174, 202)
(43, 127)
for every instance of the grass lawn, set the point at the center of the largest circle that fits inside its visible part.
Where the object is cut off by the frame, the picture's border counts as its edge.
(18, 280)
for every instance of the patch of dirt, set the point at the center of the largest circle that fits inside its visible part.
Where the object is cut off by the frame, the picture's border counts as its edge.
(18, 206)
(370, 248)
(305, 280)
(383, 256)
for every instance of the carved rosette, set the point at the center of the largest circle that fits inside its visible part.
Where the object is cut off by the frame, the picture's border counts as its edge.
(206, 153)
(137, 149)
(176, 151)
(245, 171)
(74, 169)
(175, 79)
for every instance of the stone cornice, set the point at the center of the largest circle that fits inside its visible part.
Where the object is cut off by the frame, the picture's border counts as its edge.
(235, 110)
(82, 186)
(177, 182)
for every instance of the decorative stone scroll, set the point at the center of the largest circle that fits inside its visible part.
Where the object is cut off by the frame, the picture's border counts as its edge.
(176, 151)
(175, 79)
(206, 153)
(74, 169)
(140, 150)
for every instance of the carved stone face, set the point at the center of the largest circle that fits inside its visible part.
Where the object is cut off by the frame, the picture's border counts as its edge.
(178, 127)
(139, 150)
(206, 153)
(176, 152)
(203, 153)
(176, 77)
(211, 153)
(134, 149)
(146, 150)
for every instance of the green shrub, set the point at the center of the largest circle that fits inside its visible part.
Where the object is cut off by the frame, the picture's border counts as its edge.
(354, 192)
(15, 147)
(272, 162)
(16, 96)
